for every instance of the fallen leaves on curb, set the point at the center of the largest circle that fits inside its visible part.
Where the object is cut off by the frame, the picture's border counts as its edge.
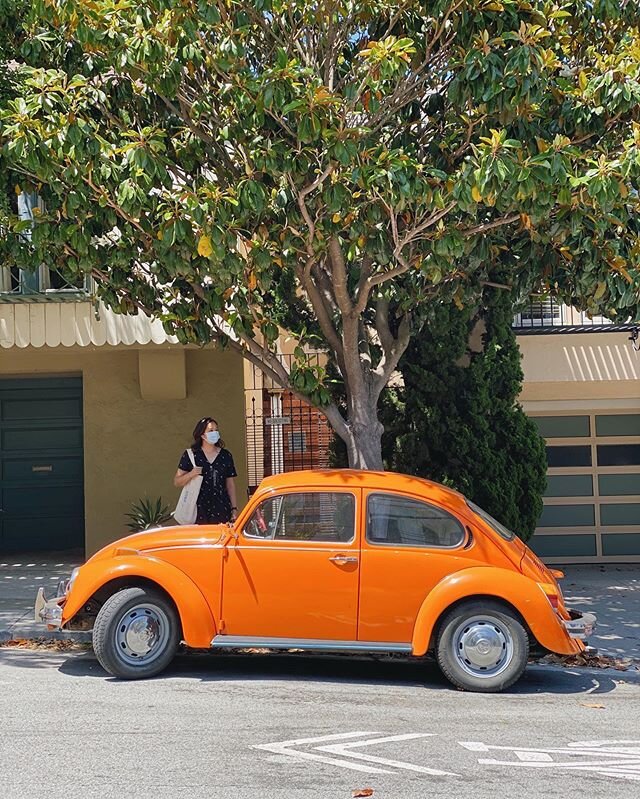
(362, 792)
(592, 705)
(56, 645)
(592, 661)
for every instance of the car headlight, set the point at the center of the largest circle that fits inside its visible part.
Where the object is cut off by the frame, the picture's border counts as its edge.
(64, 586)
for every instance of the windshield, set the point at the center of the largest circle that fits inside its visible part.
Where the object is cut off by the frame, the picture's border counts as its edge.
(495, 525)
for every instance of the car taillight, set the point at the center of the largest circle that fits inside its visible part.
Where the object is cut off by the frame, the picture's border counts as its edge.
(552, 593)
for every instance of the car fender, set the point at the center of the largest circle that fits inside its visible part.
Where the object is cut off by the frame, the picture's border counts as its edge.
(198, 624)
(521, 592)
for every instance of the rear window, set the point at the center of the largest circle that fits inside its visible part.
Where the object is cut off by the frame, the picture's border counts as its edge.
(493, 523)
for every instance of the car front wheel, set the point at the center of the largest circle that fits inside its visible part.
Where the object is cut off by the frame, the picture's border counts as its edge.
(482, 646)
(136, 633)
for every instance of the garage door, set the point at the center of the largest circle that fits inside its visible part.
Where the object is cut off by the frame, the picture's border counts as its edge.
(41, 465)
(592, 503)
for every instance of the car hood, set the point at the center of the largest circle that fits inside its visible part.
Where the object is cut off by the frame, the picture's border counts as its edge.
(167, 538)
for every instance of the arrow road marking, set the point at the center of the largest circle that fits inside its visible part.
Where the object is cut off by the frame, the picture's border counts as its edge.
(344, 750)
(283, 748)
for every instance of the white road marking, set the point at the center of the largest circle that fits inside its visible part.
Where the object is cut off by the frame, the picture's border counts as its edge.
(620, 759)
(344, 749)
(532, 757)
(611, 758)
(283, 748)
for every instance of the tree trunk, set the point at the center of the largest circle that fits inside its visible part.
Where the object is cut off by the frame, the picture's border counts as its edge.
(364, 443)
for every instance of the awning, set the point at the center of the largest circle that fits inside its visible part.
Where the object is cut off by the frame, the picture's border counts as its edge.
(70, 324)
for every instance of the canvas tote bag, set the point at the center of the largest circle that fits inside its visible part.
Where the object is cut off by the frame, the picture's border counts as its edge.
(186, 510)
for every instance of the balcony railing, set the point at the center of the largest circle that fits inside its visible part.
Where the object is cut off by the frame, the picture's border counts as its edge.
(19, 285)
(547, 315)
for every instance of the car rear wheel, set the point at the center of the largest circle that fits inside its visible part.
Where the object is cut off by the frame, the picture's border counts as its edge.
(136, 633)
(482, 646)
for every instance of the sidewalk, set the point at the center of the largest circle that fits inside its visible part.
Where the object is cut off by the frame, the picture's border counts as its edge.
(20, 578)
(612, 592)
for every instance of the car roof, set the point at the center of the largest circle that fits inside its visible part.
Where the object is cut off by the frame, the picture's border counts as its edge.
(361, 478)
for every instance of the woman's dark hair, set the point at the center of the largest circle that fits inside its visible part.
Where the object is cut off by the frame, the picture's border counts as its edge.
(198, 432)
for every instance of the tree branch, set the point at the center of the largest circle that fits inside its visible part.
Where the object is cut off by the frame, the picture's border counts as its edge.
(339, 270)
(505, 220)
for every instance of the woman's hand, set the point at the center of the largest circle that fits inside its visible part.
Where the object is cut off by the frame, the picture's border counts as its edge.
(195, 472)
(234, 514)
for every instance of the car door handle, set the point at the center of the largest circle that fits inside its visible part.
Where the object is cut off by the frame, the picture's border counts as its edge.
(341, 560)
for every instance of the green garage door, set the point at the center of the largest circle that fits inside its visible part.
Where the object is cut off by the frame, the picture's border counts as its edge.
(592, 502)
(41, 465)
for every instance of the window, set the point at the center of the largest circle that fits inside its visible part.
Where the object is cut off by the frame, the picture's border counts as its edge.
(562, 426)
(313, 516)
(495, 525)
(297, 442)
(410, 523)
(619, 455)
(569, 456)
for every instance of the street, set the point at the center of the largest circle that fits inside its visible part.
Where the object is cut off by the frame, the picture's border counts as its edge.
(284, 727)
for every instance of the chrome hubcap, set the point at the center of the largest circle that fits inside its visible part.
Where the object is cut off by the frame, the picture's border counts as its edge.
(141, 634)
(483, 646)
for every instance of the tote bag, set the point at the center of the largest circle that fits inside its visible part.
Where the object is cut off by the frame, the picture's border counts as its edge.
(186, 510)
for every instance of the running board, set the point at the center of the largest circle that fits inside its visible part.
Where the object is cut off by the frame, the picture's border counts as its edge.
(317, 644)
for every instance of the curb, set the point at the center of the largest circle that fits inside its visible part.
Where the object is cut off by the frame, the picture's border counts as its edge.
(80, 636)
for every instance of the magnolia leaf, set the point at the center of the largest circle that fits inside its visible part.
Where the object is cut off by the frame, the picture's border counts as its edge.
(242, 247)
(600, 290)
(205, 249)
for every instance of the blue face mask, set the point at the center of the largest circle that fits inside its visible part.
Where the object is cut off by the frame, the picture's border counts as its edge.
(213, 436)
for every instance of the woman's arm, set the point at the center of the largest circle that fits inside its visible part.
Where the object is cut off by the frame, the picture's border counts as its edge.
(182, 478)
(231, 490)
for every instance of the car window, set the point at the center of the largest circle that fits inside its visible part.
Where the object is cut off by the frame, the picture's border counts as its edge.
(311, 516)
(493, 523)
(406, 522)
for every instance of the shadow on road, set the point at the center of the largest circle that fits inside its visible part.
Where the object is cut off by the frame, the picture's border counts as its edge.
(208, 667)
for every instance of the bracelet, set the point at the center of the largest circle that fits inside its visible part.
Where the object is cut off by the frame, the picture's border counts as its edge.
(233, 507)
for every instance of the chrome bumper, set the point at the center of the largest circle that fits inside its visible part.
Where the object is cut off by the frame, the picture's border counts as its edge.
(581, 625)
(48, 611)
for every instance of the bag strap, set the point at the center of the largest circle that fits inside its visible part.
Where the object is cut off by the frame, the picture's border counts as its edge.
(191, 457)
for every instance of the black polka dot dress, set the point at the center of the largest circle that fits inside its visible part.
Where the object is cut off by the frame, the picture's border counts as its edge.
(214, 504)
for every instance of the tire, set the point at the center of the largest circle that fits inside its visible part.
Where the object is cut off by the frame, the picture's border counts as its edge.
(136, 634)
(482, 646)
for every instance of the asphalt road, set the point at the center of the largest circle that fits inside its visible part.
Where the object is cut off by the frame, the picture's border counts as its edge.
(213, 727)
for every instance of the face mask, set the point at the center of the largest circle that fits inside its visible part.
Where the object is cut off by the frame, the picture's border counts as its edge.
(213, 436)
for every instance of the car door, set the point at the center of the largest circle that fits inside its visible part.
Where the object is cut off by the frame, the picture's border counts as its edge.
(294, 570)
(408, 546)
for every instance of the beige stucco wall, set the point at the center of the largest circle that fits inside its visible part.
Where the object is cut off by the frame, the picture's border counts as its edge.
(132, 445)
(599, 369)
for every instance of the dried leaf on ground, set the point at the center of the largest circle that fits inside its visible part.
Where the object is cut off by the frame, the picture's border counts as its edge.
(56, 645)
(362, 792)
(592, 661)
(592, 705)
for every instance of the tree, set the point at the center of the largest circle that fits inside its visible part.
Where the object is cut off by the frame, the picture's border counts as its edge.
(11, 15)
(458, 421)
(334, 169)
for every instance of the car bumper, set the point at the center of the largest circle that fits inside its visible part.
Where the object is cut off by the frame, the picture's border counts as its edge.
(49, 611)
(580, 625)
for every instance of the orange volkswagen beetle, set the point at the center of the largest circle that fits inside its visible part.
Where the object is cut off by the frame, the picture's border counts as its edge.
(334, 561)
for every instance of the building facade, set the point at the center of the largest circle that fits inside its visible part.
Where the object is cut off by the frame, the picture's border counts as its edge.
(95, 411)
(582, 387)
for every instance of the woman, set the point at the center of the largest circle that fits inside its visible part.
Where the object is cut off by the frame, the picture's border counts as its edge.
(217, 498)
